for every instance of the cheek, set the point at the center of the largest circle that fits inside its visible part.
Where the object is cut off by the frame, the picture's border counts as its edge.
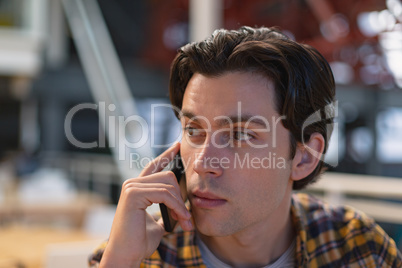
(186, 152)
(264, 187)
(281, 142)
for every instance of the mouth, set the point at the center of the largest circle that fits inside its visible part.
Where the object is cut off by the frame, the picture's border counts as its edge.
(206, 200)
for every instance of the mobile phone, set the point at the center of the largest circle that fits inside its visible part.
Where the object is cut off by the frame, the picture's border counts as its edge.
(178, 169)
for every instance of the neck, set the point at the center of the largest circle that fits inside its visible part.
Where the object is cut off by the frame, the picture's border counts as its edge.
(257, 245)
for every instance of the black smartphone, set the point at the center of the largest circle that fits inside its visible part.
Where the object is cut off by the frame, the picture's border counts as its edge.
(176, 166)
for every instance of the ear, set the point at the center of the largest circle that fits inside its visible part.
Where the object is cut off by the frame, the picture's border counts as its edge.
(307, 157)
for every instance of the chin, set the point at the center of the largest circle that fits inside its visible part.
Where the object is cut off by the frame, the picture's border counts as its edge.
(212, 231)
(212, 228)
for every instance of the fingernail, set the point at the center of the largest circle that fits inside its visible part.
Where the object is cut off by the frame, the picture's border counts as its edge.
(190, 224)
(188, 214)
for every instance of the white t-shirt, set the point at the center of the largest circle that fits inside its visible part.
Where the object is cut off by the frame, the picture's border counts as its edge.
(287, 259)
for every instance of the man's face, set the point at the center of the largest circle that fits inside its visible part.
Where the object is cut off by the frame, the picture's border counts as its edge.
(235, 151)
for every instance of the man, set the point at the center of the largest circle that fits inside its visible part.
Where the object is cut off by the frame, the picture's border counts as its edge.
(255, 110)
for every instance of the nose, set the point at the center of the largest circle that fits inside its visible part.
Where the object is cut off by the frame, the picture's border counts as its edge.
(208, 161)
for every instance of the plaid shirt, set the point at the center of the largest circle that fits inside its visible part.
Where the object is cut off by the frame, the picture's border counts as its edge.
(326, 237)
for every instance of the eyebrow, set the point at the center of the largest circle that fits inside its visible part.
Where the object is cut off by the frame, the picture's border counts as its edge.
(227, 119)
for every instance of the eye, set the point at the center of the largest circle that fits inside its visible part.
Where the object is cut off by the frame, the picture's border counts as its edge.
(193, 132)
(242, 135)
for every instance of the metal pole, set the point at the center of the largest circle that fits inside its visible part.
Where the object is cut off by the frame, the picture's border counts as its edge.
(107, 82)
(205, 17)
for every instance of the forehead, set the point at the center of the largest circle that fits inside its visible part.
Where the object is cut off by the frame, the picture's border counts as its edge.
(232, 93)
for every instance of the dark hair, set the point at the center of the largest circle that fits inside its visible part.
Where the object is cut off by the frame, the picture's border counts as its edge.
(303, 80)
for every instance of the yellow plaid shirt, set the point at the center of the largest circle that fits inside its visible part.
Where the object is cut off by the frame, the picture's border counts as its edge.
(326, 237)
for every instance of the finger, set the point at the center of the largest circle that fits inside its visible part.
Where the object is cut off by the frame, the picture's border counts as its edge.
(160, 162)
(186, 225)
(152, 222)
(141, 198)
(172, 189)
(162, 225)
(165, 177)
(174, 215)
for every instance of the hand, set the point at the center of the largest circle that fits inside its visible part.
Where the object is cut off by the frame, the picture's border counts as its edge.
(135, 234)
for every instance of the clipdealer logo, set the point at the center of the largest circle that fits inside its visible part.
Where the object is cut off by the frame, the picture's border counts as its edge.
(116, 127)
(246, 161)
(330, 114)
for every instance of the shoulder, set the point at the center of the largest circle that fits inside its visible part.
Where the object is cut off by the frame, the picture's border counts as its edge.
(313, 211)
(342, 235)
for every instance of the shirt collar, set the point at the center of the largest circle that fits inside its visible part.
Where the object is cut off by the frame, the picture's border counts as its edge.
(300, 223)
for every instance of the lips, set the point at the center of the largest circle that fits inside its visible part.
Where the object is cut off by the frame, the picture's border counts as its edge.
(206, 200)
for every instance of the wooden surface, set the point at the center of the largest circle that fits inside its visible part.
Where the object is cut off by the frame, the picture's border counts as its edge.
(27, 230)
(22, 246)
(72, 213)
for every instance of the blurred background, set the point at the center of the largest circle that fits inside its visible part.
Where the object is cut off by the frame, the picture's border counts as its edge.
(72, 71)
